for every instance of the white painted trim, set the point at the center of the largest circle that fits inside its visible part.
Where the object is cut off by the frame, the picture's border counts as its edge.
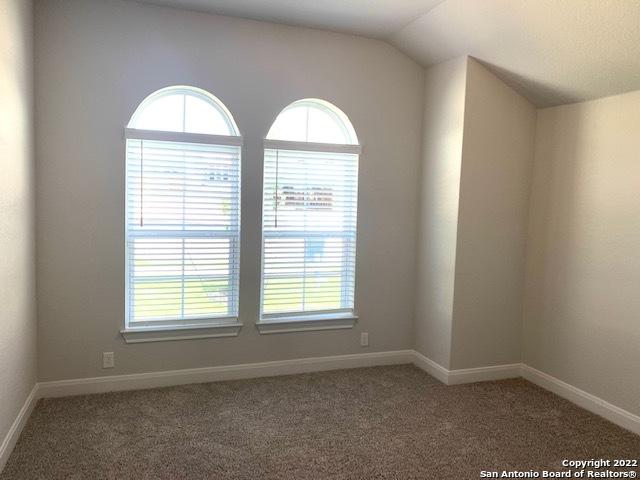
(590, 402)
(432, 368)
(164, 333)
(81, 386)
(16, 428)
(139, 381)
(306, 323)
(484, 374)
(466, 375)
(182, 137)
(597, 405)
(311, 146)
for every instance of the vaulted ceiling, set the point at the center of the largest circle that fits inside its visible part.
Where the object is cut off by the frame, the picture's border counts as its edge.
(552, 51)
(371, 18)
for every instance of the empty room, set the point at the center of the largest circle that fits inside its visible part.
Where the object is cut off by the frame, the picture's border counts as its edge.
(319, 239)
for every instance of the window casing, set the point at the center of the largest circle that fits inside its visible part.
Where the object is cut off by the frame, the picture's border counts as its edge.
(309, 215)
(182, 212)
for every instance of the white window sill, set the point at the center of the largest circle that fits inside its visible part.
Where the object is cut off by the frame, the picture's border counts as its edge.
(307, 323)
(165, 333)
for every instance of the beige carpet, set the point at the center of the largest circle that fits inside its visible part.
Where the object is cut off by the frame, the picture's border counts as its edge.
(374, 423)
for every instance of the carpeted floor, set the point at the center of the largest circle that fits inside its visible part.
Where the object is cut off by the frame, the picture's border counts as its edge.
(374, 423)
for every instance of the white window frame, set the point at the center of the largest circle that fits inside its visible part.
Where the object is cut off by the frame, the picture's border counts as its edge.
(179, 328)
(335, 319)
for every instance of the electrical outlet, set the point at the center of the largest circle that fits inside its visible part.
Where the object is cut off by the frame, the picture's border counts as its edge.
(108, 360)
(364, 339)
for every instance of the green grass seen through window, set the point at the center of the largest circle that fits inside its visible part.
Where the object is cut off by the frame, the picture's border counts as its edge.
(158, 299)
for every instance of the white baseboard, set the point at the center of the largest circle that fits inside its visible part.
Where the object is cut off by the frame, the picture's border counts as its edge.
(466, 375)
(16, 428)
(484, 374)
(139, 381)
(597, 405)
(583, 399)
(434, 369)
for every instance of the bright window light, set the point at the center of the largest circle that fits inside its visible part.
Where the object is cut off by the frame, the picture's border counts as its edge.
(309, 213)
(183, 210)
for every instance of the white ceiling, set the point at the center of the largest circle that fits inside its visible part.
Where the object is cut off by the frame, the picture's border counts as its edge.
(372, 18)
(552, 51)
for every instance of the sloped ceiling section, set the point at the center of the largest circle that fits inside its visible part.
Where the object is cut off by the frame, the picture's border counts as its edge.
(371, 18)
(551, 51)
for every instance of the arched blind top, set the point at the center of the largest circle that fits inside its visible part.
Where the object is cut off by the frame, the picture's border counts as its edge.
(313, 120)
(186, 110)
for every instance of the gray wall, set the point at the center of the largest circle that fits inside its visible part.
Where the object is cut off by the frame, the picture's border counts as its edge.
(497, 160)
(445, 86)
(465, 225)
(583, 268)
(17, 258)
(476, 175)
(96, 60)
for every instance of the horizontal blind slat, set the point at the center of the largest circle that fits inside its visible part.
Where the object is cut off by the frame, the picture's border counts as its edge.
(183, 240)
(309, 231)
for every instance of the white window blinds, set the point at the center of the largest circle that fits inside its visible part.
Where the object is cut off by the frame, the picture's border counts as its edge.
(309, 228)
(183, 227)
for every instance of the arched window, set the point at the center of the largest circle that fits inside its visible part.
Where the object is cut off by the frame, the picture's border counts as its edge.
(313, 120)
(183, 211)
(184, 110)
(309, 218)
